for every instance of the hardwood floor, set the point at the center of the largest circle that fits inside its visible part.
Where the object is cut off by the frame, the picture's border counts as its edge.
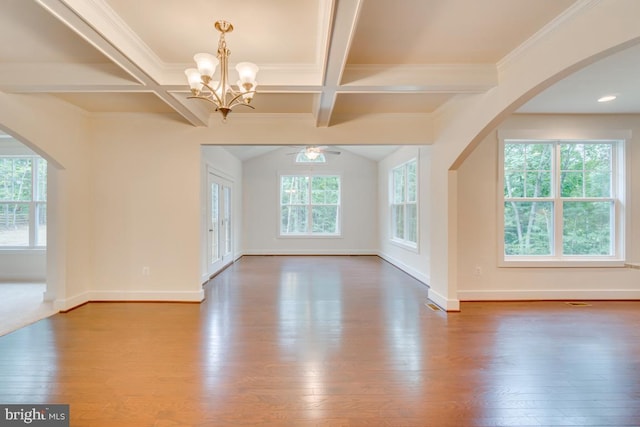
(329, 341)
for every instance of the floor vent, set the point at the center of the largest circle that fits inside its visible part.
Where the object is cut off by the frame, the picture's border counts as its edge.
(578, 304)
(432, 306)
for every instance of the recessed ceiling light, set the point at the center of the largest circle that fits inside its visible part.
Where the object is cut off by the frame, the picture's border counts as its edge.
(607, 98)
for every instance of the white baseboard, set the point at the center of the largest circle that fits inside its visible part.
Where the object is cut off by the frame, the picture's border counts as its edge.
(311, 252)
(65, 304)
(168, 296)
(407, 269)
(445, 303)
(560, 294)
(137, 296)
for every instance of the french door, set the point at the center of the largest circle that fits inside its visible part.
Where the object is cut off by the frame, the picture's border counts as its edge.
(219, 237)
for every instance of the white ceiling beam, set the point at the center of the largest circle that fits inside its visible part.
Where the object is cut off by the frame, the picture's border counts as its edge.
(58, 77)
(108, 33)
(344, 24)
(96, 24)
(284, 75)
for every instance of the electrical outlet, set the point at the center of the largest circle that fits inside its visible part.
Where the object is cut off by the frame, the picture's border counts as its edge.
(477, 271)
(146, 271)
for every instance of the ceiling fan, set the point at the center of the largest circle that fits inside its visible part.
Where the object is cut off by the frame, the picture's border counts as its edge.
(312, 152)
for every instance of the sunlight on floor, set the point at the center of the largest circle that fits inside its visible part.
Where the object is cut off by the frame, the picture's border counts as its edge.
(21, 304)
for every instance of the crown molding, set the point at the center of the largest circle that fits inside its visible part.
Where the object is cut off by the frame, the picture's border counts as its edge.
(574, 10)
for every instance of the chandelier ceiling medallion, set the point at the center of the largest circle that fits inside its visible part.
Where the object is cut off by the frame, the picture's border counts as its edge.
(220, 92)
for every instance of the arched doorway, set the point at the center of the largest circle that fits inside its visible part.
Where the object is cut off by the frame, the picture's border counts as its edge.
(25, 296)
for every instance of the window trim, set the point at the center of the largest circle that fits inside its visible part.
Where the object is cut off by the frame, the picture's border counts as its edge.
(309, 234)
(401, 242)
(302, 159)
(620, 190)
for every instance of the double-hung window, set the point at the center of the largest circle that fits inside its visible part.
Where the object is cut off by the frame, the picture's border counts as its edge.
(562, 200)
(404, 203)
(23, 202)
(309, 205)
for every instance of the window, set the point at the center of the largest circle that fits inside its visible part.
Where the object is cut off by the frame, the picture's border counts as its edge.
(562, 200)
(404, 203)
(23, 207)
(309, 205)
(303, 157)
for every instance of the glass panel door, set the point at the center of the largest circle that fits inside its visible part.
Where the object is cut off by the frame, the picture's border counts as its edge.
(227, 221)
(214, 223)
(220, 232)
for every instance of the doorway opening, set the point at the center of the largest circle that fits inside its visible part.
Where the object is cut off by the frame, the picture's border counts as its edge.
(23, 236)
(219, 222)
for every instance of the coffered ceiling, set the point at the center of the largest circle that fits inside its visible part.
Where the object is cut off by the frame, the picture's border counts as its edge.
(331, 60)
(328, 59)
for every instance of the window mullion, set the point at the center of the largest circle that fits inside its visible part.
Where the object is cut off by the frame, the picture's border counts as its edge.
(309, 205)
(404, 201)
(556, 165)
(32, 203)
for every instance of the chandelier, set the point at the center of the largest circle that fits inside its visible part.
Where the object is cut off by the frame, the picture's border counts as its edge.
(219, 92)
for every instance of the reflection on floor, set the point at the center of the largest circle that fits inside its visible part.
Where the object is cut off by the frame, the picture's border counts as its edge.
(21, 304)
(329, 341)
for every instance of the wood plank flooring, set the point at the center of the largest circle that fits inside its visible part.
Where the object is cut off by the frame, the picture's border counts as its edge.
(329, 341)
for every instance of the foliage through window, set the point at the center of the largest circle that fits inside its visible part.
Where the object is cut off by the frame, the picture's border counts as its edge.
(23, 207)
(562, 199)
(404, 203)
(309, 205)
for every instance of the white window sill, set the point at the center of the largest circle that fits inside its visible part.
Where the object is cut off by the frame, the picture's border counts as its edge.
(310, 236)
(22, 251)
(565, 263)
(405, 245)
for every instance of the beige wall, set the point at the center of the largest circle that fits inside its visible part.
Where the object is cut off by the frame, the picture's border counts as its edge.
(478, 233)
(147, 194)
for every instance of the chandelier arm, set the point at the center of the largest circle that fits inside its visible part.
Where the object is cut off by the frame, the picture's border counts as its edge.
(218, 106)
(231, 103)
(205, 98)
(213, 92)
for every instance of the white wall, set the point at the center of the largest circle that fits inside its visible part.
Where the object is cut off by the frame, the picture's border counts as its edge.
(229, 167)
(261, 208)
(23, 266)
(413, 261)
(477, 220)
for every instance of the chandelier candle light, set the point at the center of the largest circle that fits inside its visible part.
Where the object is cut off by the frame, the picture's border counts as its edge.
(220, 93)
